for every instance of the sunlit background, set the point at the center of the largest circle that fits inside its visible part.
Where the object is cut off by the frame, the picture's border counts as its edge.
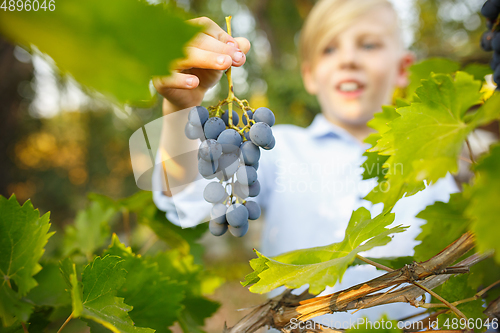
(58, 142)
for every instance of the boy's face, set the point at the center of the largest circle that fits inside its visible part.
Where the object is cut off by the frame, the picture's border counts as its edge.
(358, 71)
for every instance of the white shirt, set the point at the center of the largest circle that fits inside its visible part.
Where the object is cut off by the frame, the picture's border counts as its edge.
(310, 184)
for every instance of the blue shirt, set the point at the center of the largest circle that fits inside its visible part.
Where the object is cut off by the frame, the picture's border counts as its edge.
(310, 184)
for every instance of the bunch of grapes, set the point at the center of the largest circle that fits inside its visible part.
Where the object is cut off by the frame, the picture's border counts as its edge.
(230, 155)
(490, 41)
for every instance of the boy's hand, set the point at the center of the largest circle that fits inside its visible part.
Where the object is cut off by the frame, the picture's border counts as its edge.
(209, 54)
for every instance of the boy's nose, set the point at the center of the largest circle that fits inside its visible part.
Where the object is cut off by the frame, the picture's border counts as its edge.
(348, 59)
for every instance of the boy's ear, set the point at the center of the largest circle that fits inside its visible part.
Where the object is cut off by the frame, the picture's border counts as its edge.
(405, 62)
(307, 77)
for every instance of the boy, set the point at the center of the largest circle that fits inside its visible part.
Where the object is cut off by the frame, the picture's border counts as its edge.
(352, 58)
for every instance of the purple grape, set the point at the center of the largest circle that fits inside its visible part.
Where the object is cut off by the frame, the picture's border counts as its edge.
(253, 210)
(228, 164)
(213, 127)
(193, 132)
(237, 215)
(198, 116)
(246, 175)
(264, 115)
(225, 117)
(250, 153)
(495, 42)
(217, 229)
(490, 10)
(207, 169)
(270, 145)
(261, 134)
(230, 140)
(239, 232)
(218, 213)
(210, 150)
(486, 41)
(214, 192)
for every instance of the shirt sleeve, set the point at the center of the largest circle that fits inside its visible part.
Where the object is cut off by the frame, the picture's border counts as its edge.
(187, 208)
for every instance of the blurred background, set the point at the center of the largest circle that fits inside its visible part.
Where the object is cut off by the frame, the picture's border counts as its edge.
(58, 142)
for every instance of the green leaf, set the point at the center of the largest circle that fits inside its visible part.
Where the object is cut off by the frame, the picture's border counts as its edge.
(424, 143)
(180, 267)
(176, 237)
(391, 262)
(90, 230)
(446, 222)
(479, 71)
(374, 164)
(115, 50)
(423, 70)
(101, 279)
(148, 214)
(484, 208)
(23, 235)
(155, 298)
(50, 290)
(325, 265)
(196, 310)
(484, 274)
(488, 112)
(457, 288)
(68, 271)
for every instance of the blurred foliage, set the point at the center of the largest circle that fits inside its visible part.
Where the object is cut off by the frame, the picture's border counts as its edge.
(116, 43)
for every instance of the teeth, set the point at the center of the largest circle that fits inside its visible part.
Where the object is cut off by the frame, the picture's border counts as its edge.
(349, 86)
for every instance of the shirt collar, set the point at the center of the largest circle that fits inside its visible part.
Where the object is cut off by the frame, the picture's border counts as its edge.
(321, 128)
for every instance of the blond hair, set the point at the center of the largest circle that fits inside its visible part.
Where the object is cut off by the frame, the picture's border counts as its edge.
(327, 19)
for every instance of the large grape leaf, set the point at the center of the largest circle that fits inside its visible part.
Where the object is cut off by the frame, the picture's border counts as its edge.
(141, 203)
(423, 70)
(96, 299)
(23, 235)
(114, 46)
(374, 164)
(457, 288)
(155, 298)
(484, 208)
(50, 290)
(424, 143)
(90, 230)
(484, 274)
(325, 265)
(196, 307)
(446, 222)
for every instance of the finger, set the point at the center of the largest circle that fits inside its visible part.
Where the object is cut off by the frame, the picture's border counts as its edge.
(176, 81)
(212, 29)
(243, 44)
(198, 58)
(211, 44)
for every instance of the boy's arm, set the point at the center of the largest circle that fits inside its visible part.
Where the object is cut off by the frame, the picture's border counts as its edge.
(208, 55)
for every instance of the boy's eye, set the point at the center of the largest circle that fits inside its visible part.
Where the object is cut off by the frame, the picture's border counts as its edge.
(329, 49)
(370, 46)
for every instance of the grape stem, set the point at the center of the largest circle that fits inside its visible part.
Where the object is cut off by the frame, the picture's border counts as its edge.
(243, 104)
(230, 96)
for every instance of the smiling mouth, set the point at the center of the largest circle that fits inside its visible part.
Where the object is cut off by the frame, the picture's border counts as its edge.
(351, 89)
(349, 86)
